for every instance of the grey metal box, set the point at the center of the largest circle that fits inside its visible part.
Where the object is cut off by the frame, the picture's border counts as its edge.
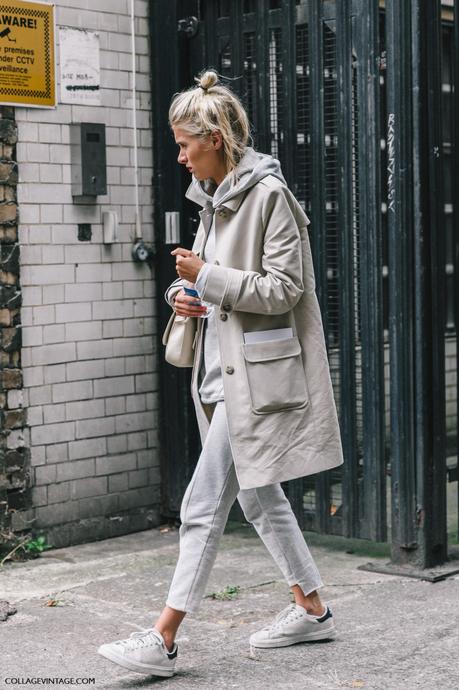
(88, 159)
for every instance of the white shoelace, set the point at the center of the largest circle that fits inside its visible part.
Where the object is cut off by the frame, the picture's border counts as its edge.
(140, 639)
(284, 616)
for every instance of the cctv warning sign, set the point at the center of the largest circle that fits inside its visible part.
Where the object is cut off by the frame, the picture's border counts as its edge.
(27, 69)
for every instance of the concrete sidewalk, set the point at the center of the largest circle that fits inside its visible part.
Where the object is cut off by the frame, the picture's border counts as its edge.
(394, 633)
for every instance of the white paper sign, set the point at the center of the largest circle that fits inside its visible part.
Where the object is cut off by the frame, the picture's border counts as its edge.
(79, 66)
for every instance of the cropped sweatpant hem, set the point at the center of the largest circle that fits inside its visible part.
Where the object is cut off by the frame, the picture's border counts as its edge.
(204, 512)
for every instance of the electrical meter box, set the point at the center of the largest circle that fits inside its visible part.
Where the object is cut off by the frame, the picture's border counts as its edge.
(88, 159)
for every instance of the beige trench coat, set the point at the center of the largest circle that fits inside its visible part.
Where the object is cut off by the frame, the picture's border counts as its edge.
(281, 412)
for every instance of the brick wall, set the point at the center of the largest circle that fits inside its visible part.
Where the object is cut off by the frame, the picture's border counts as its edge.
(14, 455)
(88, 310)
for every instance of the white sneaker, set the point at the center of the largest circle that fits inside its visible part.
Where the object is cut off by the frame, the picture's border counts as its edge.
(293, 624)
(143, 652)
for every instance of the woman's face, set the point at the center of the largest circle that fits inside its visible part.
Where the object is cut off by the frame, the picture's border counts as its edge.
(202, 157)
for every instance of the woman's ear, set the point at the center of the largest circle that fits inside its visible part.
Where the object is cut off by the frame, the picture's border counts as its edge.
(217, 139)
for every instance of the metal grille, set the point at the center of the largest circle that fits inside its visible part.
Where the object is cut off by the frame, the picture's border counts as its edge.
(303, 134)
(276, 96)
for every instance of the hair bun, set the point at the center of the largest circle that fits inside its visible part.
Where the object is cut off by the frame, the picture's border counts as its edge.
(207, 79)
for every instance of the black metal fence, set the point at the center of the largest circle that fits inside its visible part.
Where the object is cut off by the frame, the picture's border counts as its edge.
(356, 98)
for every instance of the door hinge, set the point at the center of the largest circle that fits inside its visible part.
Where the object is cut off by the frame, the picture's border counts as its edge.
(188, 26)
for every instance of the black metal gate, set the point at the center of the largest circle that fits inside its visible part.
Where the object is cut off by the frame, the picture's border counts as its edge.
(347, 115)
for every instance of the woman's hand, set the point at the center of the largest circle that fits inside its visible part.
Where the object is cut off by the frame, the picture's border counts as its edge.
(187, 263)
(186, 305)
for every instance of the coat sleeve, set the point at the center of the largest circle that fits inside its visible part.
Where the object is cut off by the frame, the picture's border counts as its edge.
(280, 286)
(172, 290)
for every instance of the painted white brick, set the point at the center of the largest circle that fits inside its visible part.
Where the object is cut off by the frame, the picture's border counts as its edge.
(34, 416)
(39, 234)
(91, 273)
(51, 172)
(113, 309)
(117, 444)
(54, 413)
(54, 334)
(93, 486)
(87, 448)
(114, 406)
(133, 422)
(32, 295)
(32, 335)
(85, 410)
(53, 254)
(53, 433)
(75, 470)
(51, 213)
(95, 349)
(29, 172)
(53, 294)
(145, 382)
(135, 403)
(118, 385)
(79, 311)
(50, 354)
(59, 153)
(132, 346)
(32, 376)
(112, 329)
(83, 292)
(84, 253)
(40, 395)
(46, 275)
(83, 330)
(37, 152)
(50, 133)
(30, 255)
(132, 288)
(42, 315)
(55, 373)
(133, 327)
(116, 463)
(114, 366)
(77, 390)
(90, 428)
(135, 365)
(57, 452)
(77, 371)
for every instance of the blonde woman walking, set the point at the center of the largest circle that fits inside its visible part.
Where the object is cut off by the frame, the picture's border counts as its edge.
(260, 383)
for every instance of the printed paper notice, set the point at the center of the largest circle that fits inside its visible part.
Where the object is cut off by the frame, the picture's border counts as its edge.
(27, 70)
(80, 66)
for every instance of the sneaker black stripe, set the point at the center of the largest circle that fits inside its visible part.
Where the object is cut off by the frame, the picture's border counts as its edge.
(328, 614)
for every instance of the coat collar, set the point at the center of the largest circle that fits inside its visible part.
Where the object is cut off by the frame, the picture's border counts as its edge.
(231, 204)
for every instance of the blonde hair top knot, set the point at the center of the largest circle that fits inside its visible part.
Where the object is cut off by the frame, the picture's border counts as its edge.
(210, 106)
(207, 80)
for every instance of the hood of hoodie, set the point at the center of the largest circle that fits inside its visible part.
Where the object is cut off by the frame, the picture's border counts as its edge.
(252, 168)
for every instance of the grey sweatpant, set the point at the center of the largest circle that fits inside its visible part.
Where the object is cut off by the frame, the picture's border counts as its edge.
(207, 501)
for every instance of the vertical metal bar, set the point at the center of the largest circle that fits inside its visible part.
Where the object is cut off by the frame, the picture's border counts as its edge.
(346, 269)
(315, 27)
(455, 176)
(430, 299)
(262, 97)
(373, 525)
(401, 281)
(288, 80)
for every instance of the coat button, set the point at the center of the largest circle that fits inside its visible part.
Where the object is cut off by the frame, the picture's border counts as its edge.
(223, 317)
(222, 213)
(229, 370)
(226, 307)
(217, 262)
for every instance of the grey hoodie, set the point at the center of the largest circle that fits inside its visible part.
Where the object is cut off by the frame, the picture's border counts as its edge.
(252, 168)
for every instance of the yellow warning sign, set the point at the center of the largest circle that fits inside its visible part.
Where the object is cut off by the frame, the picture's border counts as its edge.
(27, 69)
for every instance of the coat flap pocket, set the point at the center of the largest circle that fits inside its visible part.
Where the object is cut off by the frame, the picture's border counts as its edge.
(272, 349)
